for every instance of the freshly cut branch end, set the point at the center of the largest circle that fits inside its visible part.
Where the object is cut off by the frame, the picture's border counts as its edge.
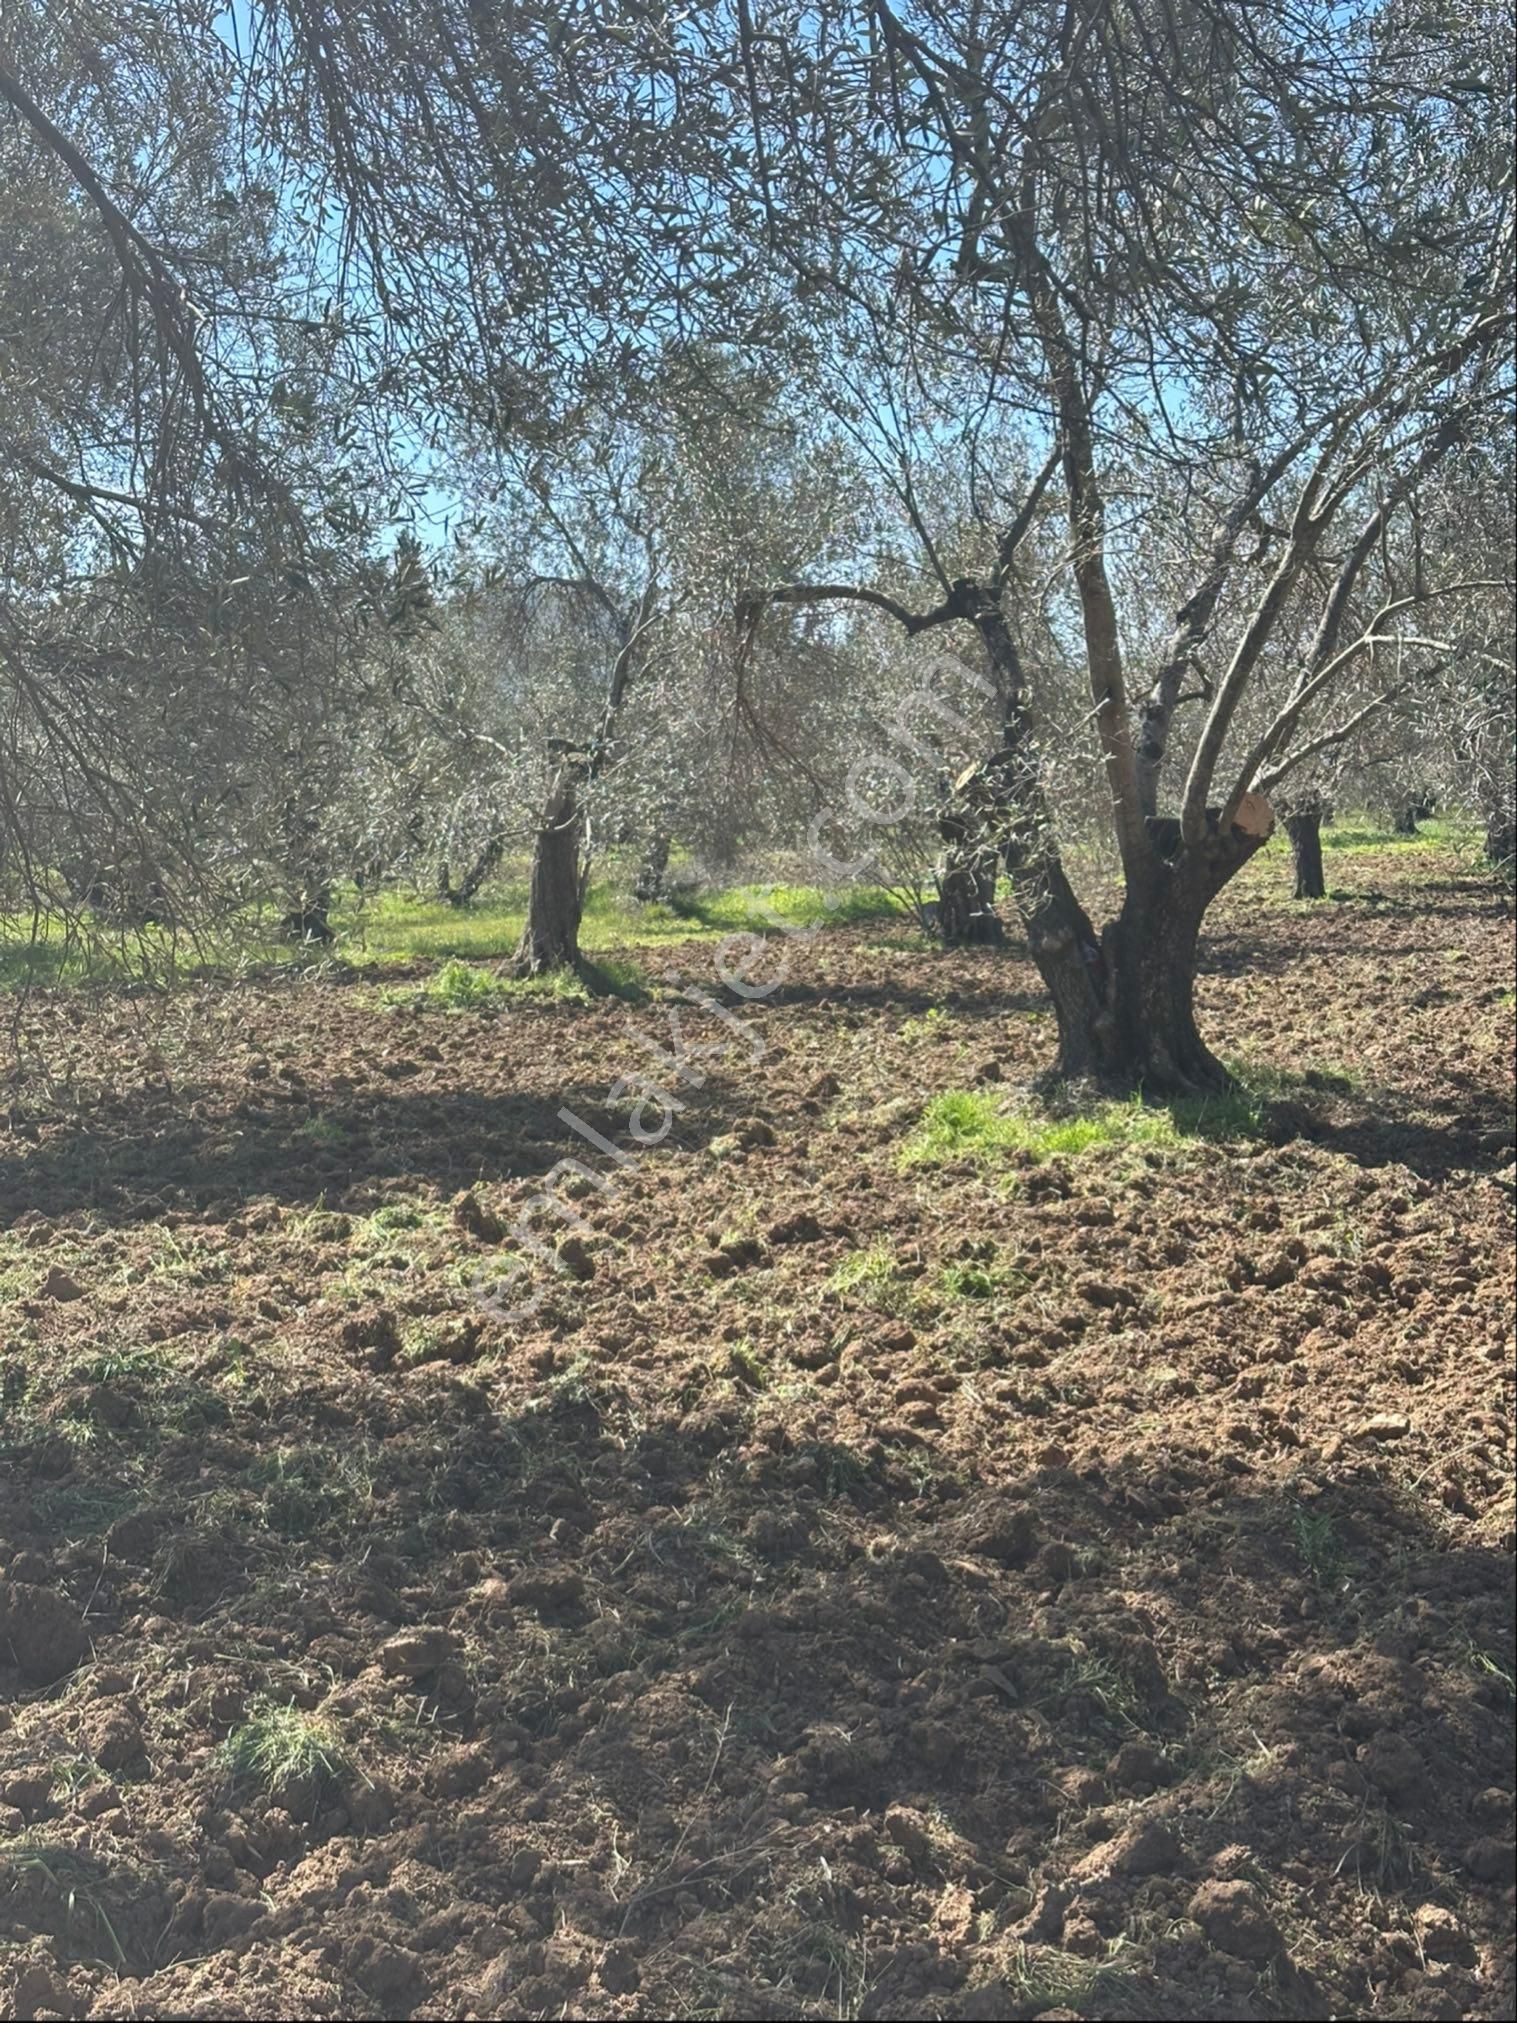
(1255, 817)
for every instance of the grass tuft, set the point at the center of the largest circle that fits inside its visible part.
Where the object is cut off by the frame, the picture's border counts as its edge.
(461, 986)
(1319, 1546)
(279, 1746)
(874, 1276)
(457, 987)
(969, 1124)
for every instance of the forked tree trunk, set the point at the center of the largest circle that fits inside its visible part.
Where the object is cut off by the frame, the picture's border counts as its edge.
(1124, 1000)
(1304, 829)
(486, 862)
(550, 938)
(1126, 1003)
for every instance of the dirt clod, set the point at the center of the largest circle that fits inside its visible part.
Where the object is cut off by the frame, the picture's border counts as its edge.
(415, 1652)
(1234, 1919)
(41, 1634)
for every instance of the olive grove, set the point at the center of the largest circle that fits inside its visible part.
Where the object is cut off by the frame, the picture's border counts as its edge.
(1145, 357)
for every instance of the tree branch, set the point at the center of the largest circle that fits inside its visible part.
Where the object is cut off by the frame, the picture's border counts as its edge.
(1270, 780)
(1193, 620)
(1280, 731)
(959, 603)
(144, 268)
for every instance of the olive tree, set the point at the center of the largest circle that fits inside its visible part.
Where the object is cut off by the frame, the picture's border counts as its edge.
(1264, 251)
(182, 542)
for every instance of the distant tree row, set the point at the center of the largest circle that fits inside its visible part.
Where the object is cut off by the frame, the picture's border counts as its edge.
(1098, 416)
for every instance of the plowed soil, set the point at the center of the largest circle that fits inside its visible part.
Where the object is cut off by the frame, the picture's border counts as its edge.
(1018, 1584)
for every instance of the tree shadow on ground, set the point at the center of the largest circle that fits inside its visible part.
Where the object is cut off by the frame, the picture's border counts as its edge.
(207, 1158)
(804, 1685)
(989, 999)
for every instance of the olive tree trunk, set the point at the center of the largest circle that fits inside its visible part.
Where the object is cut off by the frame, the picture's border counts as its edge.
(468, 886)
(1125, 1000)
(550, 938)
(1304, 828)
(650, 884)
(972, 826)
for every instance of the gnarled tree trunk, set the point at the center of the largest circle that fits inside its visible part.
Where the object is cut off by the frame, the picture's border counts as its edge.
(1126, 1003)
(1124, 999)
(550, 938)
(966, 913)
(1303, 825)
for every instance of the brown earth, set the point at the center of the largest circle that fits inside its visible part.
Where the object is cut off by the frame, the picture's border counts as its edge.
(1096, 1600)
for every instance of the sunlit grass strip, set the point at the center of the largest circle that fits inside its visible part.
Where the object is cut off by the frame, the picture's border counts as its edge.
(393, 926)
(969, 1124)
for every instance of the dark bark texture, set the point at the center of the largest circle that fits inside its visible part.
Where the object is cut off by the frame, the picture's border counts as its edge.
(966, 913)
(1126, 1002)
(550, 938)
(468, 886)
(1304, 828)
(1124, 999)
(309, 916)
(651, 882)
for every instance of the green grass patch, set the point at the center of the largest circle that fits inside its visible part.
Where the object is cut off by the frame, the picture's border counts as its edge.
(977, 1124)
(394, 926)
(934, 1024)
(969, 1124)
(970, 1282)
(304, 1490)
(756, 907)
(59, 948)
(1365, 832)
(1045, 1977)
(1319, 1546)
(278, 1746)
(874, 1276)
(397, 926)
(748, 1366)
(460, 986)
